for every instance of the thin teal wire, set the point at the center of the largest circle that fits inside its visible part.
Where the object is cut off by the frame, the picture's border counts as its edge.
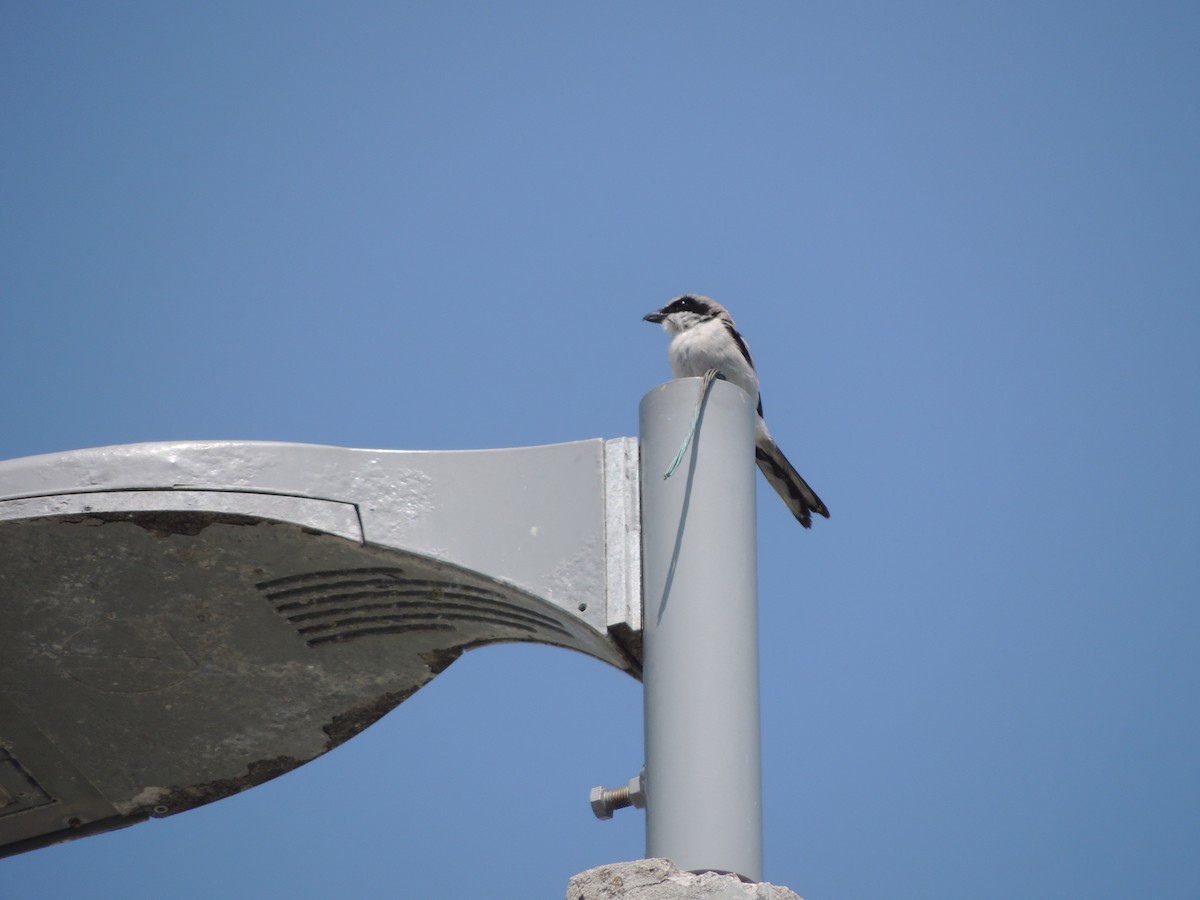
(708, 380)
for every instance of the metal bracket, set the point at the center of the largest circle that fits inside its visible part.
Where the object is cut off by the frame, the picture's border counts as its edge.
(266, 602)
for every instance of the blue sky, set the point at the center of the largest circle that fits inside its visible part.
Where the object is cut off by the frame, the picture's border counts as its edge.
(961, 240)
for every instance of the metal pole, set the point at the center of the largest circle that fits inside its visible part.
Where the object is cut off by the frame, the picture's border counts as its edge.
(700, 664)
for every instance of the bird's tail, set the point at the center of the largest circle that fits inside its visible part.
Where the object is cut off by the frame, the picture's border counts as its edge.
(782, 475)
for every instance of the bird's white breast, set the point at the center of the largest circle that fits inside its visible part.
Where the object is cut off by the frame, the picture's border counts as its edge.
(709, 345)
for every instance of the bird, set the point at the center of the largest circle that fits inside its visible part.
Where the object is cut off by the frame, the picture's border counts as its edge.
(704, 337)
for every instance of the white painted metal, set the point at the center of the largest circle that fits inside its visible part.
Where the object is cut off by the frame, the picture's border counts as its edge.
(180, 621)
(700, 631)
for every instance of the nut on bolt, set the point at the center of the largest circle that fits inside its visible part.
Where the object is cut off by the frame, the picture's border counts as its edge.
(605, 802)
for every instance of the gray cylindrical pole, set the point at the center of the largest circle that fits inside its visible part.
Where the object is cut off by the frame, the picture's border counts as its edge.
(700, 666)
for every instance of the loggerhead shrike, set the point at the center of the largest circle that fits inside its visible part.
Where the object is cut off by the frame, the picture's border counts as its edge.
(703, 337)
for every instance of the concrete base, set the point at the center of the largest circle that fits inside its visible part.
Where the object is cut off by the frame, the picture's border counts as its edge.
(659, 879)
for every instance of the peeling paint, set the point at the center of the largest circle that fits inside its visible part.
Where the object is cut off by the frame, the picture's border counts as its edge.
(165, 523)
(163, 801)
(439, 660)
(348, 724)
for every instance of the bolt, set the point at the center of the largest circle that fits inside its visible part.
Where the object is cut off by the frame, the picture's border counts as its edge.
(605, 801)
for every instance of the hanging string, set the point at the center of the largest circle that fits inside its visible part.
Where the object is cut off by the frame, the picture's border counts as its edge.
(708, 380)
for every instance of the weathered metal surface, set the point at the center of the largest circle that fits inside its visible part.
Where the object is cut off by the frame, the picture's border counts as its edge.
(179, 622)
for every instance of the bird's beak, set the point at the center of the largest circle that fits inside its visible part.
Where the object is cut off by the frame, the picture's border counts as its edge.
(655, 317)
